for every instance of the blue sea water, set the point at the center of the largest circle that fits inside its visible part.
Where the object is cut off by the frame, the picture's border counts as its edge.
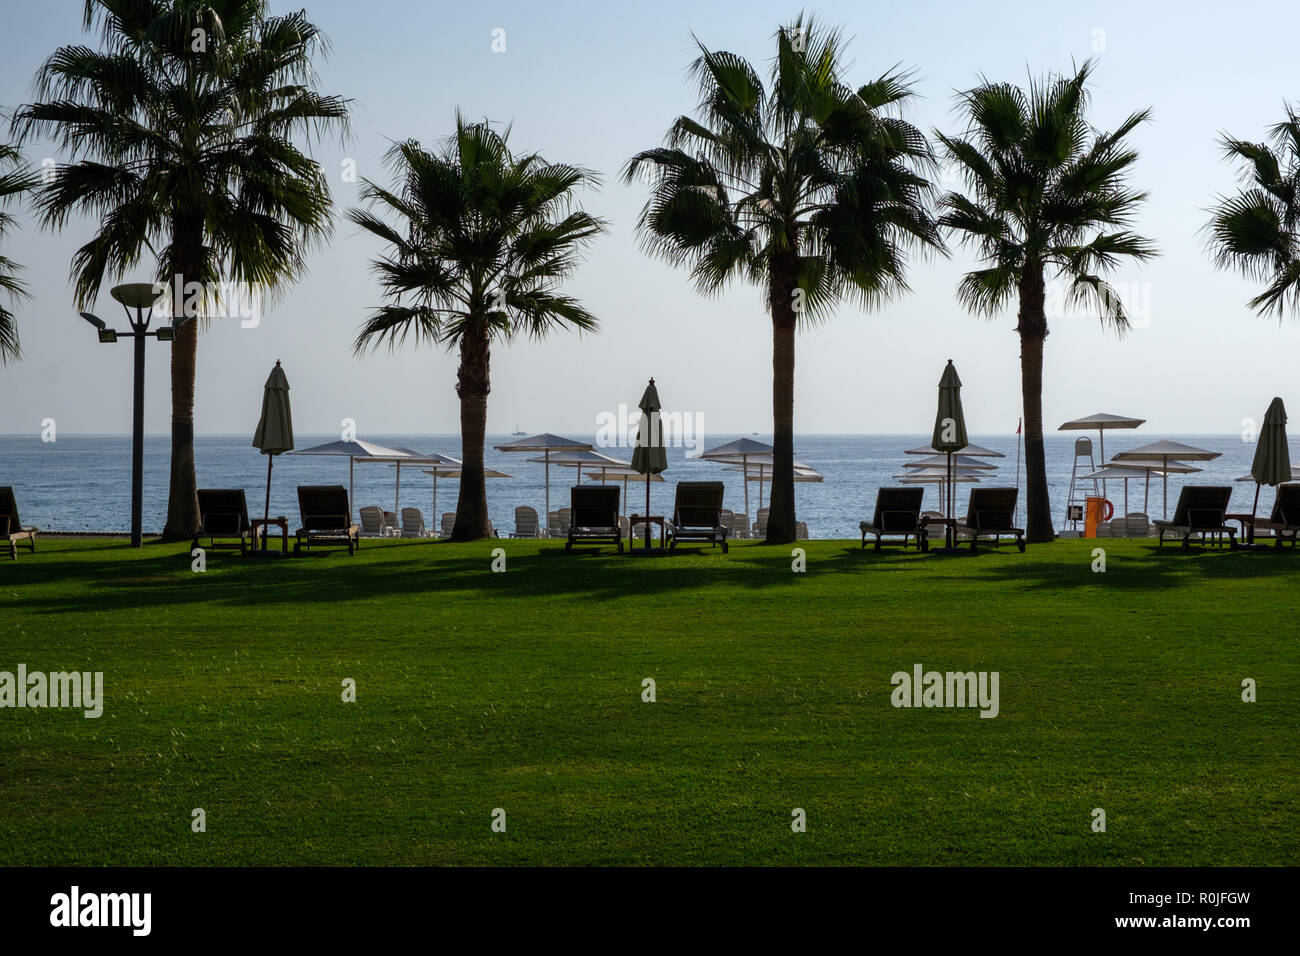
(83, 483)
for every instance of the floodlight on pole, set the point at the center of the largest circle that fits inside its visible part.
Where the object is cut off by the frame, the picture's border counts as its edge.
(141, 297)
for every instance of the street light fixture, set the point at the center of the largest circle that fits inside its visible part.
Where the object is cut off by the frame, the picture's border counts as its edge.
(140, 296)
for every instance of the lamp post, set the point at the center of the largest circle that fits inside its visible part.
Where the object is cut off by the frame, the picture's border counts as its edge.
(140, 296)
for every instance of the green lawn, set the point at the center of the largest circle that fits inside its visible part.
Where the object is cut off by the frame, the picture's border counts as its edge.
(522, 691)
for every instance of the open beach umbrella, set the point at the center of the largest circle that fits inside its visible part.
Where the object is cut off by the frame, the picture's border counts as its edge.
(1272, 464)
(949, 436)
(1116, 474)
(958, 461)
(624, 474)
(649, 457)
(1149, 467)
(739, 452)
(583, 460)
(354, 451)
(762, 474)
(1102, 421)
(450, 470)
(274, 435)
(973, 451)
(1166, 452)
(409, 456)
(547, 444)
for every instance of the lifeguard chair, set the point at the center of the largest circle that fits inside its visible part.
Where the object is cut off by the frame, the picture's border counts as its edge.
(1075, 501)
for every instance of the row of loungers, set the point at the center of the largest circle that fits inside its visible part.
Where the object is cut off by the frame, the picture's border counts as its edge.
(697, 515)
(990, 514)
(325, 512)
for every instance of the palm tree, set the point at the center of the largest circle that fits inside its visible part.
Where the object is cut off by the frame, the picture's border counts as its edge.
(182, 132)
(1255, 230)
(810, 188)
(481, 242)
(14, 181)
(1045, 191)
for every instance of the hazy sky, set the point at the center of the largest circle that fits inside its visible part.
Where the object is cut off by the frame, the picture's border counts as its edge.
(594, 82)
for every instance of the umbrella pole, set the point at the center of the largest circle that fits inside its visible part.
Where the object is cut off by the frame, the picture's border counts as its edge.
(267, 511)
(647, 511)
(744, 467)
(1166, 483)
(397, 491)
(436, 521)
(1101, 433)
(547, 466)
(351, 462)
(1254, 509)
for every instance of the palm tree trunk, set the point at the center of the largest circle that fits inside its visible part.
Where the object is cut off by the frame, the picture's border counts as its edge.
(182, 497)
(780, 519)
(473, 383)
(1032, 327)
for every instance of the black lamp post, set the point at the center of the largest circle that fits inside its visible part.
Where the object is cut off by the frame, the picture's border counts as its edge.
(139, 296)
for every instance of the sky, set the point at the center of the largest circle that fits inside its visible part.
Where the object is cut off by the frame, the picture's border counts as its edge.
(592, 83)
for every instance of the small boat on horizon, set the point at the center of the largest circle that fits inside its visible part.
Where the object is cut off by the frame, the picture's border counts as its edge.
(517, 431)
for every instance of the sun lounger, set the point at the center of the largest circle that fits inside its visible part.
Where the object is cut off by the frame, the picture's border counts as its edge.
(739, 526)
(448, 524)
(697, 514)
(413, 524)
(1284, 520)
(898, 514)
(594, 515)
(11, 527)
(223, 514)
(525, 523)
(1200, 510)
(372, 522)
(990, 514)
(760, 523)
(326, 521)
(391, 525)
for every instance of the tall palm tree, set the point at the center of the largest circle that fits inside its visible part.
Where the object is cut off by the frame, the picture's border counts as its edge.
(1045, 191)
(480, 243)
(182, 129)
(810, 188)
(1258, 230)
(15, 179)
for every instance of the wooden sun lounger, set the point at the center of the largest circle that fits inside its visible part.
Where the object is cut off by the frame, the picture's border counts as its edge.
(326, 521)
(898, 513)
(697, 514)
(594, 515)
(991, 514)
(1202, 510)
(12, 529)
(1284, 521)
(223, 514)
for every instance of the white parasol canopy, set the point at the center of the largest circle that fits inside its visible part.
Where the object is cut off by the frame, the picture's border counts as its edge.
(1167, 453)
(354, 451)
(548, 444)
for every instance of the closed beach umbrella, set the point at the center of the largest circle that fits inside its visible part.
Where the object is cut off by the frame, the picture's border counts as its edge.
(274, 435)
(949, 423)
(649, 457)
(1272, 464)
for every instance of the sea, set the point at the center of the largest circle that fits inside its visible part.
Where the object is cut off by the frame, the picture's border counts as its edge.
(83, 483)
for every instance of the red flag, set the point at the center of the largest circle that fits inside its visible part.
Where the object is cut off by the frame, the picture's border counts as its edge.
(1019, 422)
